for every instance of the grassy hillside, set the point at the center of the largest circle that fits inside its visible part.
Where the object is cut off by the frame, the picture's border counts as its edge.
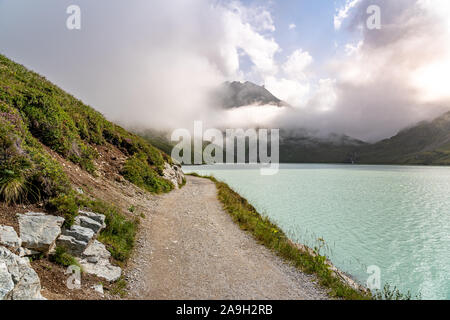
(35, 116)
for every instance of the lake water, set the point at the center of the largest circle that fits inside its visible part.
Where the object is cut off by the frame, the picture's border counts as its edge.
(393, 217)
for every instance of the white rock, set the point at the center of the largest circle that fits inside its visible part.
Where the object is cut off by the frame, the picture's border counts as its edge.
(174, 174)
(39, 231)
(97, 249)
(73, 246)
(6, 282)
(25, 283)
(100, 218)
(98, 288)
(9, 238)
(80, 233)
(96, 262)
(89, 223)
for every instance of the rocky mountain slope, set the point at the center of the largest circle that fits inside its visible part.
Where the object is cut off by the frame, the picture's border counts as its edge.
(71, 185)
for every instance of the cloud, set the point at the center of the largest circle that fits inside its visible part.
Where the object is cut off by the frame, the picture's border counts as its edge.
(343, 12)
(296, 64)
(292, 26)
(142, 64)
(292, 84)
(382, 81)
(152, 64)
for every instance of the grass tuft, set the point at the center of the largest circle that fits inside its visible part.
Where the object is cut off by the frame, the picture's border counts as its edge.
(120, 232)
(63, 258)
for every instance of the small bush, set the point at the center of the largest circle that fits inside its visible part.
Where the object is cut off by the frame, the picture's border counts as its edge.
(68, 205)
(137, 170)
(64, 259)
(119, 288)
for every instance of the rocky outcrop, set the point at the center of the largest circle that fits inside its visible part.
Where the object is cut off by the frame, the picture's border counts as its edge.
(174, 174)
(80, 233)
(76, 239)
(18, 281)
(100, 218)
(9, 238)
(79, 241)
(87, 226)
(89, 223)
(73, 246)
(96, 261)
(39, 231)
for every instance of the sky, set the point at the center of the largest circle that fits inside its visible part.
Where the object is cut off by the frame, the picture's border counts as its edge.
(152, 64)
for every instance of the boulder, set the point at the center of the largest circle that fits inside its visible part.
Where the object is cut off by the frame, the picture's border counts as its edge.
(39, 231)
(89, 223)
(174, 174)
(73, 246)
(9, 238)
(100, 218)
(6, 282)
(80, 233)
(96, 261)
(98, 288)
(18, 281)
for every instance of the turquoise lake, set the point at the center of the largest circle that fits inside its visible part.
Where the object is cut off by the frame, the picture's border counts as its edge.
(393, 217)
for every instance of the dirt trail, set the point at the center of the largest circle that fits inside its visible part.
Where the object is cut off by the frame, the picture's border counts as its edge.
(189, 248)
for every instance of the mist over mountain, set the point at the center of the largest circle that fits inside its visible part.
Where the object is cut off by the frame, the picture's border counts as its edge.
(237, 94)
(425, 143)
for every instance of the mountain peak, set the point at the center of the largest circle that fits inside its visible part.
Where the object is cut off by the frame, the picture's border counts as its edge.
(239, 94)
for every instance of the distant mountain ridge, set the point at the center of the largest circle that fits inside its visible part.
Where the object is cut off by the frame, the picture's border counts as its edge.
(239, 94)
(426, 143)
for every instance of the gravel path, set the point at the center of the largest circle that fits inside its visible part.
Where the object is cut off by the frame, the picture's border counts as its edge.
(189, 248)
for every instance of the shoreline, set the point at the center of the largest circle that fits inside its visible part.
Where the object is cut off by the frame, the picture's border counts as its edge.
(305, 259)
(189, 248)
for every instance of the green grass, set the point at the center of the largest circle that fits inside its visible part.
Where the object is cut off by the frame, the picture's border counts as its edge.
(64, 259)
(120, 288)
(67, 205)
(271, 236)
(120, 232)
(138, 170)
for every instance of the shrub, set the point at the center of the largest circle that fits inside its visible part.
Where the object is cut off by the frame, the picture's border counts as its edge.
(64, 259)
(138, 171)
(66, 204)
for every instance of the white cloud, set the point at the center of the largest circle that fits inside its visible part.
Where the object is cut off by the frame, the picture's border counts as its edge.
(296, 64)
(157, 70)
(243, 28)
(292, 26)
(343, 12)
(292, 91)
